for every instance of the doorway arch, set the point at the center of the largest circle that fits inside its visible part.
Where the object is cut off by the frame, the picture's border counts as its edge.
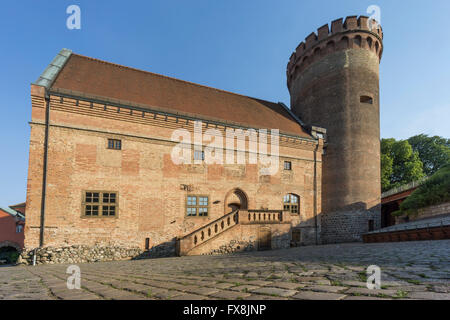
(235, 199)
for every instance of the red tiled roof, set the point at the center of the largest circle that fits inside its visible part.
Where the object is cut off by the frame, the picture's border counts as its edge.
(103, 79)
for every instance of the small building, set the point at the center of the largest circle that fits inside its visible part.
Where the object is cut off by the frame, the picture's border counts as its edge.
(12, 224)
(391, 200)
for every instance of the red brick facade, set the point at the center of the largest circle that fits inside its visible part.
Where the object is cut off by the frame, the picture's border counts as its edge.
(149, 186)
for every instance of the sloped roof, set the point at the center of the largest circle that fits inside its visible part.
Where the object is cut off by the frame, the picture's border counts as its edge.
(13, 213)
(97, 78)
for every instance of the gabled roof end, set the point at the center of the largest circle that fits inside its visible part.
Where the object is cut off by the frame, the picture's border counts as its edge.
(49, 75)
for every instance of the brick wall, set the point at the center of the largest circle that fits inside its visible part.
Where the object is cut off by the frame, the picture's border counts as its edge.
(151, 203)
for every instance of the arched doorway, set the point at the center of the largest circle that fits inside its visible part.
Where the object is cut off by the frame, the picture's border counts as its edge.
(235, 199)
(9, 252)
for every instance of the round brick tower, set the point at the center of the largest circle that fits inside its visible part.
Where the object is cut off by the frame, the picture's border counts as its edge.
(333, 80)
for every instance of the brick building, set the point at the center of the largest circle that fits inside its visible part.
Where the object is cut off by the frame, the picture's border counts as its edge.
(101, 168)
(11, 229)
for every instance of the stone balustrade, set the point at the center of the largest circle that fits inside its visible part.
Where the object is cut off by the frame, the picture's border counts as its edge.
(207, 232)
(263, 216)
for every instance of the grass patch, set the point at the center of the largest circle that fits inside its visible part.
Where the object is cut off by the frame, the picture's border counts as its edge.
(336, 283)
(413, 281)
(362, 276)
(401, 294)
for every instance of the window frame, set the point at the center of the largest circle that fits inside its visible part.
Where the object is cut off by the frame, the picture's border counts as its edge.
(19, 226)
(197, 206)
(116, 144)
(101, 203)
(290, 166)
(288, 206)
(202, 153)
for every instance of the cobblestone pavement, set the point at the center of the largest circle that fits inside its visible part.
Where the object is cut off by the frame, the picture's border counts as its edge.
(409, 270)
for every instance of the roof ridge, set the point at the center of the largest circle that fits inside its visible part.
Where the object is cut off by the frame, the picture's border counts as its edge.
(168, 77)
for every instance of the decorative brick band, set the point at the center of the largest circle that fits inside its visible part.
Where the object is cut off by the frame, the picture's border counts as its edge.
(354, 33)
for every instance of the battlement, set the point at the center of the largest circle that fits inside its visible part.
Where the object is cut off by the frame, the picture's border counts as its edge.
(353, 33)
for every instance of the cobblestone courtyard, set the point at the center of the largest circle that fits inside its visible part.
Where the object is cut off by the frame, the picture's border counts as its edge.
(409, 270)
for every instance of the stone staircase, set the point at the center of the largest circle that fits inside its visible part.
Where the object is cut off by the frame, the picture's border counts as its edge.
(227, 222)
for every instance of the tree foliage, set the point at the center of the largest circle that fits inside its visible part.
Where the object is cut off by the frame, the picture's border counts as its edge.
(434, 191)
(399, 164)
(434, 152)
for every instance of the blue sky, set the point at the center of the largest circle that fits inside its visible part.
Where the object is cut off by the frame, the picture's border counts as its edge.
(235, 45)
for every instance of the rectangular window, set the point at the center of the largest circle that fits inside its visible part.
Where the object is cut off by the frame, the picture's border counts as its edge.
(199, 155)
(98, 203)
(366, 99)
(287, 165)
(19, 228)
(115, 144)
(197, 206)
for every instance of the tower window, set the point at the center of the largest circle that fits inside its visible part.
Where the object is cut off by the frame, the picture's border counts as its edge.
(366, 99)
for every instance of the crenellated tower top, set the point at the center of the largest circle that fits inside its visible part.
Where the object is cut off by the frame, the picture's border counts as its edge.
(362, 32)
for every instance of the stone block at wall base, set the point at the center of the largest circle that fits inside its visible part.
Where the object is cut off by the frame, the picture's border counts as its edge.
(77, 254)
(348, 225)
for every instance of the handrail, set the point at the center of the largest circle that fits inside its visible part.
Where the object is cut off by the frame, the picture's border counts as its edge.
(209, 224)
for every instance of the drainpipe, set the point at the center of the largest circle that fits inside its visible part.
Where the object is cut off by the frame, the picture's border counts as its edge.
(44, 170)
(315, 192)
(34, 257)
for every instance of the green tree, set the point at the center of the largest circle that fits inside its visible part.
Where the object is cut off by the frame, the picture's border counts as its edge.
(434, 152)
(399, 164)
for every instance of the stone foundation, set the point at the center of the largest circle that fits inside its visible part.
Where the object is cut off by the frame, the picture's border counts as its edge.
(78, 254)
(424, 213)
(234, 246)
(348, 226)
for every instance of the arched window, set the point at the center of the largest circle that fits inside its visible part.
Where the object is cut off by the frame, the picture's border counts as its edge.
(357, 41)
(291, 203)
(344, 43)
(330, 47)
